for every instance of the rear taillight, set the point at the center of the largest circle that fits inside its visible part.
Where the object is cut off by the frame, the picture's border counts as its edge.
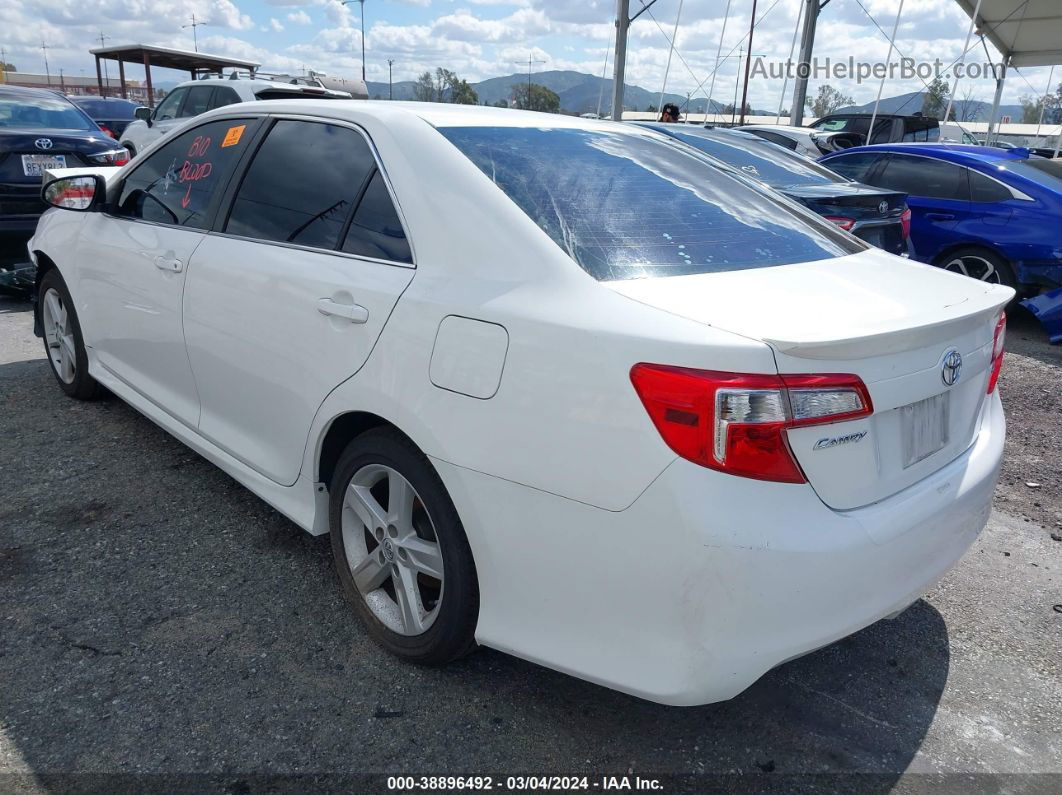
(998, 340)
(905, 222)
(115, 157)
(107, 130)
(845, 223)
(736, 422)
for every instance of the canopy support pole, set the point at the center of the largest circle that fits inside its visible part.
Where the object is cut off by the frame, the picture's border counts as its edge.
(807, 46)
(962, 59)
(881, 85)
(623, 23)
(995, 101)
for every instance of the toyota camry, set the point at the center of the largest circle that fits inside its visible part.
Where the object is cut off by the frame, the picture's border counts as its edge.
(560, 387)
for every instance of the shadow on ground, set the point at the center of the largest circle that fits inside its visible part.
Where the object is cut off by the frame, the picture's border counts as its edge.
(155, 617)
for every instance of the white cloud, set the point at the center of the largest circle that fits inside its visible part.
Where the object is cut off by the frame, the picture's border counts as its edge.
(275, 25)
(299, 17)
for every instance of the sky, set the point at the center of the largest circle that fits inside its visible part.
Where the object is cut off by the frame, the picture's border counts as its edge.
(486, 38)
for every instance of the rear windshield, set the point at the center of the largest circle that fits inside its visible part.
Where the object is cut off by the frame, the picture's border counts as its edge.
(107, 109)
(627, 206)
(1040, 170)
(41, 113)
(764, 161)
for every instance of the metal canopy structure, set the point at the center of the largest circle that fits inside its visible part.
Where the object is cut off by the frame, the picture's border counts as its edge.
(1026, 32)
(195, 63)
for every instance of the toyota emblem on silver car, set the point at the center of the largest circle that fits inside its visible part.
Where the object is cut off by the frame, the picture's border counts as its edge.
(43, 143)
(951, 368)
(883, 208)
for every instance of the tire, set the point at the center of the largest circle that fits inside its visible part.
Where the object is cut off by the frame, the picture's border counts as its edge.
(383, 553)
(131, 149)
(979, 263)
(64, 346)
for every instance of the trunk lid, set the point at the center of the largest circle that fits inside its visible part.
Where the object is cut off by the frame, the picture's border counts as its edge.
(890, 321)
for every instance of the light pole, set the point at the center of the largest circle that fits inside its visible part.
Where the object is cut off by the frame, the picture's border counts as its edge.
(194, 24)
(347, 3)
(390, 92)
(106, 71)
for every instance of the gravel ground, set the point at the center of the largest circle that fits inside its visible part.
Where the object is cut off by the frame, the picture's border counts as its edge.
(156, 619)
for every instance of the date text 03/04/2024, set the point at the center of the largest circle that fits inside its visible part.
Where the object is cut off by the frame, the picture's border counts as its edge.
(521, 783)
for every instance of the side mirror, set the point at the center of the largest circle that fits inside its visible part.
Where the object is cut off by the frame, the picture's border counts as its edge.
(143, 114)
(81, 194)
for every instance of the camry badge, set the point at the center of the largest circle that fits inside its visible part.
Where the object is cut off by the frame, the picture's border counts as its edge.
(883, 208)
(837, 441)
(43, 143)
(951, 368)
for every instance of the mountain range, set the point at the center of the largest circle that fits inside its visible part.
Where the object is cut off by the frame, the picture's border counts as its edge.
(974, 110)
(578, 92)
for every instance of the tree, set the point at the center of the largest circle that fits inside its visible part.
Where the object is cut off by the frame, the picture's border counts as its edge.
(1030, 109)
(651, 109)
(542, 98)
(501, 103)
(936, 99)
(8, 67)
(827, 101)
(444, 86)
(968, 108)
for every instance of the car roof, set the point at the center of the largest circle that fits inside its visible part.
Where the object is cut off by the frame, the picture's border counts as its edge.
(782, 128)
(437, 114)
(958, 153)
(30, 92)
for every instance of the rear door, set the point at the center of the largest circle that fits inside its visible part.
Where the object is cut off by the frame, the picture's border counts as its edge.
(938, 194)
(288, 295)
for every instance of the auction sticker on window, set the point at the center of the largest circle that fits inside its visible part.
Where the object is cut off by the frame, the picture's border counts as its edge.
(232, 137)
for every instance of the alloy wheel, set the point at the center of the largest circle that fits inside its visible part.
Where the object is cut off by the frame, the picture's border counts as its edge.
(975, 267)
(392, 549)
(59, 336)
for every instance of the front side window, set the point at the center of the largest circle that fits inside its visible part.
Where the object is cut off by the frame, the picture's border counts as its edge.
(302, 184)
(776, 138)
(626, 206)
(925, 177)
(171, 105)
(175, 184)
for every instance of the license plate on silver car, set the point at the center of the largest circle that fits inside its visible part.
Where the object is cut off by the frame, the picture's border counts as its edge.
(925, 428)
(34, 165)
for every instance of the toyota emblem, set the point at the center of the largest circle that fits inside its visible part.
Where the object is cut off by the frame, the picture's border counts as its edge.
(883, 208)
(951, 368)
(43, 143)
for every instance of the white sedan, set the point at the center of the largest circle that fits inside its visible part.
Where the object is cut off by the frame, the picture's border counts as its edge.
(556, 386)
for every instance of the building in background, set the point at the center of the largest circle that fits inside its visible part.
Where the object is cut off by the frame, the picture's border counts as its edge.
(82, 85)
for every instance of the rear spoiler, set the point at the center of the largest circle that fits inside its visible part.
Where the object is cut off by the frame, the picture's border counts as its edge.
(968, 311)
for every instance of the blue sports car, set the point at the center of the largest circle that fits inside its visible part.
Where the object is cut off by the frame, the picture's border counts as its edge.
(993, 214)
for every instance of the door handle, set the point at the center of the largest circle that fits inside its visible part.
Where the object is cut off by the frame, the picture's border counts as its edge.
(940, 217)
(171, 264)
(355, 313)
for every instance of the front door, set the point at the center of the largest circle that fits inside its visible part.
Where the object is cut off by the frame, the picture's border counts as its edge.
(134, 262)
(286, 300)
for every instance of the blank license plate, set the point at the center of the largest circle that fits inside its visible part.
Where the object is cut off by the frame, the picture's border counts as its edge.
(925, 428)
(34, 165)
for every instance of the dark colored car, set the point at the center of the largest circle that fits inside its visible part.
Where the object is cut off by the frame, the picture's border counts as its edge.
(112, 114)
(41, 129)
(993, 214)
(888, 127)
(877, 216)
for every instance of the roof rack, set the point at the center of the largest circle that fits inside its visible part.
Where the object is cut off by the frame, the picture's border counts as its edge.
(310, 79)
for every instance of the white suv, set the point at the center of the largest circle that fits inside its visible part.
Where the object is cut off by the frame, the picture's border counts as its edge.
(198, 96)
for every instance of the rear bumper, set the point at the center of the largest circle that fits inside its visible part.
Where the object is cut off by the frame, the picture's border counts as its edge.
(708, 581)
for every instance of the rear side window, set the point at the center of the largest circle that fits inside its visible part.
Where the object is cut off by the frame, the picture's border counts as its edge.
(983, 189)
(175, 185)
(627, 206)
(197, 101)
(375, 230)
(223, 95)
(302, 185)
(854, 166)
(925, 177)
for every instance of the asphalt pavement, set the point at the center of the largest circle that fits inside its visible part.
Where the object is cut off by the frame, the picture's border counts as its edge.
(161, 627)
